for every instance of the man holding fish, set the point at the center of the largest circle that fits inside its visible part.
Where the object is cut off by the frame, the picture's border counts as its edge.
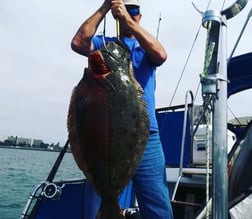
(146, 54)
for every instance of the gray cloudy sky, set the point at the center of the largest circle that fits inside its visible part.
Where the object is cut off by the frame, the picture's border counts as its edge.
(38, 69)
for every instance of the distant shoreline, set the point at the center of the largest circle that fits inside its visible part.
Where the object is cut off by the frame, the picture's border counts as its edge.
(33, 149)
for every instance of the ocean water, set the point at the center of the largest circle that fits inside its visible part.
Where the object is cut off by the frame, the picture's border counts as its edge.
(22, 170)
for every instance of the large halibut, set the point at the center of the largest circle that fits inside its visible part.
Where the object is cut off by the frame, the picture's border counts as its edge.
(108, 124)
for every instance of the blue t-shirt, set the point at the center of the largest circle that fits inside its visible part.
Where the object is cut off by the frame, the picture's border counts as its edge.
(144, 70)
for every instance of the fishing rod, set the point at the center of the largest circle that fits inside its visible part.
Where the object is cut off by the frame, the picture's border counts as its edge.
(57, 163)
(241, 33)
(49, 180)
(117, 28)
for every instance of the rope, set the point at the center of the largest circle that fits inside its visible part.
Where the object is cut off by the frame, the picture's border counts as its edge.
(185, 65)
(187, 59)
(207, 117)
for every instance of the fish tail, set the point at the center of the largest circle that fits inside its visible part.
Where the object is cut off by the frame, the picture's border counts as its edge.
(109, 210)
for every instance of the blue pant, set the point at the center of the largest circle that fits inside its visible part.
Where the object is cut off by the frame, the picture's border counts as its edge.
(149, 183)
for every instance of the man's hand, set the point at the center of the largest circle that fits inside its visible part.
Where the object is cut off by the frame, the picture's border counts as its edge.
(107, 3)
(119, 10)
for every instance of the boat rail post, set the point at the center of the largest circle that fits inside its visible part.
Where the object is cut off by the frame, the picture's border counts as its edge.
(181, 163)
(214, 93)
(214, 89)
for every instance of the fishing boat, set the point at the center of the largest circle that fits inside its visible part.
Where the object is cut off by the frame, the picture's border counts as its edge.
(208, 159)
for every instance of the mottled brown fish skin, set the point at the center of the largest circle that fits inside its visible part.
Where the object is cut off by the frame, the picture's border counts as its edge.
(108, 125)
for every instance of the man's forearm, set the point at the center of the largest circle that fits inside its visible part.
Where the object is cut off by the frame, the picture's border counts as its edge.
(149, 43)
(82, 41)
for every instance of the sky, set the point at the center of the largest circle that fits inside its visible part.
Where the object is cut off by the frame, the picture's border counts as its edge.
(38, 69)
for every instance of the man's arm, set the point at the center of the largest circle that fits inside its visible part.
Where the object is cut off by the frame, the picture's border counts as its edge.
(82, 41)
(149, 43)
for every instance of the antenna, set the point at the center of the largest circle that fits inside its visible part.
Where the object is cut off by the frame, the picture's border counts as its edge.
(159, 21)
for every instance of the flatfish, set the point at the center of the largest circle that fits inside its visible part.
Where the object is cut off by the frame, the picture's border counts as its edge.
(108, 124)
